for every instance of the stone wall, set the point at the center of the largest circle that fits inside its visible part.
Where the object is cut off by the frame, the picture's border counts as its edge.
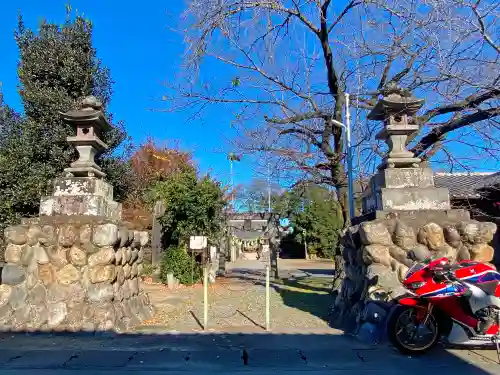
(376, 258)
(73, 273)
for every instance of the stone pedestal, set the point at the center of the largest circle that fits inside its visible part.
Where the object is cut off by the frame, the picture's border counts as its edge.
(85, 196)
(376, 256)
(404, 189)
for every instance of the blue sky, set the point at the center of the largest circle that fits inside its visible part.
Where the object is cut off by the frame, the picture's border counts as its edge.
(136, 41)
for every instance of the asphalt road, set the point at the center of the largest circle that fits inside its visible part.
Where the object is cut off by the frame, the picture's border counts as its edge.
(224, 354)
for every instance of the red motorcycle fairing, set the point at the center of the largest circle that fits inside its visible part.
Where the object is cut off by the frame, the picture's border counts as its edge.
(412, 301)
(454, 308)
(450, 299)
(422, 306)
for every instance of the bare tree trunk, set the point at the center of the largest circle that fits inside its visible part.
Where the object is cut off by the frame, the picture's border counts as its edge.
(344, 204)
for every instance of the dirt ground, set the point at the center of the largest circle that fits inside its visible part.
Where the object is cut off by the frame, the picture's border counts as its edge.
(298, 300)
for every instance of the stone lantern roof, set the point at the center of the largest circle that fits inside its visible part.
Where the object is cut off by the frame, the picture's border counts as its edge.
(91, 114)
(395, 100)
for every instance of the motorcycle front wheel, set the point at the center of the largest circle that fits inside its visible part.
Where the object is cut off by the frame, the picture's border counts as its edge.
(410, 336)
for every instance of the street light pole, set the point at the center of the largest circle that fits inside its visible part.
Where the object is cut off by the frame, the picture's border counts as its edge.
(232, 157)
(350, 179)
(232, 181)
(268, 188)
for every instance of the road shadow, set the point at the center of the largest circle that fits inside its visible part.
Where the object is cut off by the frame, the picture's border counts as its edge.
(226, 353)
(308, 294)
(323, 272)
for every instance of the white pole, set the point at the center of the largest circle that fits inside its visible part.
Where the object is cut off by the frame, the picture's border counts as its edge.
(268, 189)
(268, 312)
(232, 182)
(350, 180)
(205, 297)
(305, 244)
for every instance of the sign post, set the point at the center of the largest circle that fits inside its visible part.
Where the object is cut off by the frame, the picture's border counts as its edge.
(268, 307)
(305, 243)
(198, 242)
(205, 297)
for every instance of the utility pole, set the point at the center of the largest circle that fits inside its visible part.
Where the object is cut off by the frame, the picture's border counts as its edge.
(350, 179)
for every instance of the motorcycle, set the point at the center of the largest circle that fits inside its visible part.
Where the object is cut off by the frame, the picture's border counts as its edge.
(458, 303)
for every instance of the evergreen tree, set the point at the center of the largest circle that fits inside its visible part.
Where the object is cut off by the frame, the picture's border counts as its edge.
(194, 206)
(316, 217)
(57, 68)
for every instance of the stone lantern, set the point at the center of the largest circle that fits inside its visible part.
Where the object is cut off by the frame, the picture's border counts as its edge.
(82, 191)
(401, 182)
(396, 109)
(89, 122)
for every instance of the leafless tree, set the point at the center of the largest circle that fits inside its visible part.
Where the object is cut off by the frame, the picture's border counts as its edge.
(446, 51)
(288, 64)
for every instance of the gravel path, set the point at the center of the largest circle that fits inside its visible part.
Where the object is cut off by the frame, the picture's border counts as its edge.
(237, 303)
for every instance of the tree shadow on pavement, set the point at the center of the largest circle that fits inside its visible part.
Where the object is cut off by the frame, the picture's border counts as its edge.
(308, 294)
(221, 353)
(327, 273)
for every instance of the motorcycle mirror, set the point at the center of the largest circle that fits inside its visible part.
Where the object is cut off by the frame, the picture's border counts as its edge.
(411, 255)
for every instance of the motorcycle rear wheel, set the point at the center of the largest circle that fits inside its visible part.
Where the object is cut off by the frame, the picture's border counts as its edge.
(402, 321)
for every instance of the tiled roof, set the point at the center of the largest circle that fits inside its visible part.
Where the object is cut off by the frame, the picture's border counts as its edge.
(466, 185)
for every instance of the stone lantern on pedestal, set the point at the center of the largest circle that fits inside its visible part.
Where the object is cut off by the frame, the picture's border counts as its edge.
(83, 191)
(401, 183)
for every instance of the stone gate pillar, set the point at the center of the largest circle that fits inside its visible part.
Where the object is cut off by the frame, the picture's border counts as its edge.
(76, 267)
(405, 217)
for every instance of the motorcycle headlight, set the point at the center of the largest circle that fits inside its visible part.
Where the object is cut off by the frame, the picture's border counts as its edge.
(416, 285)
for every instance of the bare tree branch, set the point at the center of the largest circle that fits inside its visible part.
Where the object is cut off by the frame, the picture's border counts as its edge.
(437, 134)
(287, 65)
(482, 28)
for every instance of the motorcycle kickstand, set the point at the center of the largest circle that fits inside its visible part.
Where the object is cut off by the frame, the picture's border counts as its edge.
(498, 348)
(497, 338)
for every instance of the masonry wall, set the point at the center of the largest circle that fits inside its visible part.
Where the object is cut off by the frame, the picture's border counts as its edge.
(73, 273)
(376, 258)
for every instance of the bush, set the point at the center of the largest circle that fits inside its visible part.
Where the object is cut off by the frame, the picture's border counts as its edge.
(192, 205)
(148, 270)
(178, 262)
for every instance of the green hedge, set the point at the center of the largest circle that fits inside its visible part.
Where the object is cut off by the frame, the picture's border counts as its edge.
(177, 261)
